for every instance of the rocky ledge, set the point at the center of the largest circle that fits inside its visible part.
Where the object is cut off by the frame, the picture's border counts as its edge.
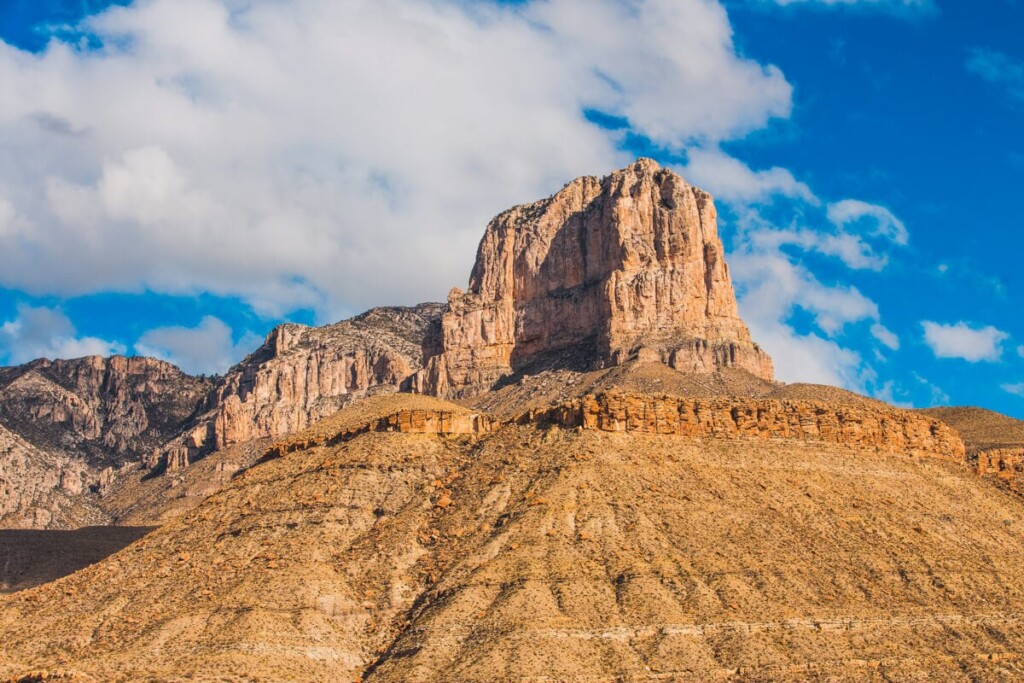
(860, 427)
(865, 428)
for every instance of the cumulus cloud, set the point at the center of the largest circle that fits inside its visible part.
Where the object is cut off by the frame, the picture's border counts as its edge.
(1015, 389)
(775, 287)
(207, 348)
(963, 341)
(40, 332)
(998, 69)
(339, 154)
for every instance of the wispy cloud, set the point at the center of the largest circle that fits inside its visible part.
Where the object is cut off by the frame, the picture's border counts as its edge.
(999, 69)
(886, 336)
(963, 341)
(1015, 389)
(896, 6)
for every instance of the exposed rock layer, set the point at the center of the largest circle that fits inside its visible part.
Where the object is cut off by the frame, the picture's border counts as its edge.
(605, 270)
(860, 427)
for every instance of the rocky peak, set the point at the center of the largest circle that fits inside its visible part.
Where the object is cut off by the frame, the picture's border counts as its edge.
(628, 266)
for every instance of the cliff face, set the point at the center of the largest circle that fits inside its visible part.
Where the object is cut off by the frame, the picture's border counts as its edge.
(603, 271)
(301, 374)
(105, 411)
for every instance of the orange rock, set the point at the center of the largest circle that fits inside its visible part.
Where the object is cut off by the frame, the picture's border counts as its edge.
(629, 266)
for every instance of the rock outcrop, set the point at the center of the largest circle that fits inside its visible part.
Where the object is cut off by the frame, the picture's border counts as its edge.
(877, 429)
(105, 411)
(301, 374)
(1006, 464)
(629, 266)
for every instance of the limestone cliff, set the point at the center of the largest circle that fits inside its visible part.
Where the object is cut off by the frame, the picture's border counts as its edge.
(605, 270)
(105, 411)
(301, 374)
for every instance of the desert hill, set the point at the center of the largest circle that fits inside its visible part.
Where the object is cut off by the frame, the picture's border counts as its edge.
(995, 443)
(536, 548)
(982, 429)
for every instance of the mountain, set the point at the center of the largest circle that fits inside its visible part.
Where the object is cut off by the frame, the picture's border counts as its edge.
(628, 266)
(579, 469)
(103, 411)
(85, 428)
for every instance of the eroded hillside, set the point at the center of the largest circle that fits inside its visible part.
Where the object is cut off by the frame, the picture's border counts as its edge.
(542, 551)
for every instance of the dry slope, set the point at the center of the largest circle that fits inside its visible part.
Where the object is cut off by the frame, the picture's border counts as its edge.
(540, 552)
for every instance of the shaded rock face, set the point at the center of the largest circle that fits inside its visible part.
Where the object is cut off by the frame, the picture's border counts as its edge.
(301, 374)
(629, 266)
(41, 490)
(105, 411)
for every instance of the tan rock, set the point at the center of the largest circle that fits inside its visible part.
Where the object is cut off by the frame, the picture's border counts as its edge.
(603, 271)
(878, 429)
(301, 374)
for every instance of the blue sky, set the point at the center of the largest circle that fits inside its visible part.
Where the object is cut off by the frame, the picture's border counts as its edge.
(178, 176)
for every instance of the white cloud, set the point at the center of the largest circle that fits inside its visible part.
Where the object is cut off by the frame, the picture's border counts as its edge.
(40, 332)
(732, 180)
(207, 348)
(962, 341)
(886, 336)
(1015, 389)
(998, 69)
(1020, 351)
(862, 234)
(808, 357)
(341, 154)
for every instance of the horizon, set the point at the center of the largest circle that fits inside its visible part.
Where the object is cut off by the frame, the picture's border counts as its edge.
(172, 193)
